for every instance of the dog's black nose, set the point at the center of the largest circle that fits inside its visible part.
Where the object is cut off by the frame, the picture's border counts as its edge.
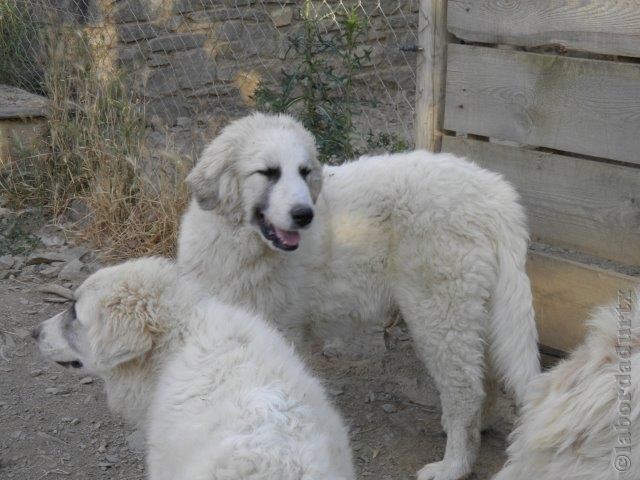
(35, 333)
(302, 215)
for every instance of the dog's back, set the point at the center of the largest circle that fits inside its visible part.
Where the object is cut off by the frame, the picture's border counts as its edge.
(237, 403)
(578, 419)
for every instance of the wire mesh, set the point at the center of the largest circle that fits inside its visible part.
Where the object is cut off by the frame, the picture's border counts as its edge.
(193, 65)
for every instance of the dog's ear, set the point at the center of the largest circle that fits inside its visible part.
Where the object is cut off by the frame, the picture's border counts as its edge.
(214, 180)
(315, 180)
(129, 322)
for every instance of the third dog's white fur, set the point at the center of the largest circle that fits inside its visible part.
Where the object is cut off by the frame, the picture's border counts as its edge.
(433, 236)
(580, 420)
(219, 394)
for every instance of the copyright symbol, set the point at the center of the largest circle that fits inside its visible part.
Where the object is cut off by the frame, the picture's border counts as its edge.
(622, 463)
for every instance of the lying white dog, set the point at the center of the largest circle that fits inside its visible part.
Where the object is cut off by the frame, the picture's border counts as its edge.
(580, 419)
(433, 236)
(218, 392)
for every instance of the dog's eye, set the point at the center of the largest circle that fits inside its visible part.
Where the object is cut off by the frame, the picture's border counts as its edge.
(304, 172)
(272, 173)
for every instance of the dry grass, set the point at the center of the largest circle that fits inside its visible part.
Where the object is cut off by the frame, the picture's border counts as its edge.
(95, 149)
(130, 222)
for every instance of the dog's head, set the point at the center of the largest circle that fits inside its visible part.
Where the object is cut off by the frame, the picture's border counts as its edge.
(262, 171)
(116, 317)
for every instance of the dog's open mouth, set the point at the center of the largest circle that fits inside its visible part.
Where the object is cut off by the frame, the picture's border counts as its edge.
(283, 239)
(72, 364)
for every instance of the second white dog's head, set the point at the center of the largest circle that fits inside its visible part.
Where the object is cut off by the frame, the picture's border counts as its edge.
(117, 317)
(262, 171)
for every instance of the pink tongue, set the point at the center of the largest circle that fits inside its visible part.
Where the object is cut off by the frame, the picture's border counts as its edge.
(288, 238)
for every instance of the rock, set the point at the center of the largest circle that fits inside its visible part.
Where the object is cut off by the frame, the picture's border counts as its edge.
(158, 60)
(51, 271)
(389, 408)
(75, 421)
(45, 258)
(71, 271)
(136, 441)
(335, 391)
(7, 262)
(102, 448)
(51, 240)
(282, 16)
(184, 6)
(161, 81)
(22, 333)
(111, 458)
(330, 351)
(132, 11)
(62, 390)
(129, 55)
(18, 262)
(36, 373)
(86, 380)
(370, 397)
(175, 42)
(194, 69)
(74, 253)
(137, 31)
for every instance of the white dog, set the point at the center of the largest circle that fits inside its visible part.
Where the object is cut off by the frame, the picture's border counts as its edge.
(579, 419)
(433, 236)
(218, 392)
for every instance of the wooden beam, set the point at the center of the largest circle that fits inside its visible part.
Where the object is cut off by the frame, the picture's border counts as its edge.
(431, 73)
(564, 294)
(585, 205)
(591, 107)
(600, 26)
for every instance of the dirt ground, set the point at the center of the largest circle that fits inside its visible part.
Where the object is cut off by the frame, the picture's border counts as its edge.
(55, 425)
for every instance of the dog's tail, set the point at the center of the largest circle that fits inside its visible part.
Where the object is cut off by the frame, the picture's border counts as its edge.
(513, 334)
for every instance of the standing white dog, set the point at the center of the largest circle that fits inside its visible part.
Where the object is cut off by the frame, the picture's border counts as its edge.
(580, 420)
(434, 236)
(219, 393)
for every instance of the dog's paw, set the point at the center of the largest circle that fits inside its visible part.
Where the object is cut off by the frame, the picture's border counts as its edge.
(431, 471)
(442, 471)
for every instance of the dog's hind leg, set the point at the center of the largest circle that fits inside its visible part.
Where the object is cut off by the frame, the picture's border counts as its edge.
(448, 322)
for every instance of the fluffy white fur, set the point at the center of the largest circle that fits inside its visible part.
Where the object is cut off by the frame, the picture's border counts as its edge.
(572, 421)
(219, 393)
(433, 236)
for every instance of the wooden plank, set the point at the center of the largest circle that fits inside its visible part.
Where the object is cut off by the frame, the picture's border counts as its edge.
(601, 26)
(585, 106)
(430, 73)
(18, 103)
(565, 292)
(586, 205)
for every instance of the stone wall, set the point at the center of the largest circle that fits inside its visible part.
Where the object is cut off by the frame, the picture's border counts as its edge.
(204, 58)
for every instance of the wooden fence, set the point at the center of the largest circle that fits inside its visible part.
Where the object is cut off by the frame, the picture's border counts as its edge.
(547, 92)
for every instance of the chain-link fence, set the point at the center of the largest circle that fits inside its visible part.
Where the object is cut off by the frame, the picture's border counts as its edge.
(346, 68)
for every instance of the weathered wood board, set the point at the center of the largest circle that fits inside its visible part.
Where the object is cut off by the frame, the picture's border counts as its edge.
(601, 26)
(584, 106)
(585, 205)
(565, 292)
(18, 103)
(430, 73)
